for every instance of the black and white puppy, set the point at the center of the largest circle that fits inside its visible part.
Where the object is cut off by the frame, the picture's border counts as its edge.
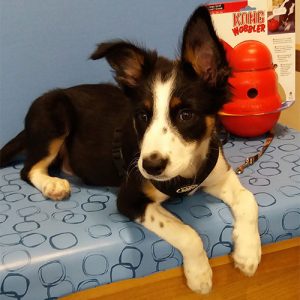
(163, 123)
(287, 20)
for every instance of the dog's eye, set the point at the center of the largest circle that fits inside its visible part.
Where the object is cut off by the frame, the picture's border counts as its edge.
(143, 117)
(186, 115)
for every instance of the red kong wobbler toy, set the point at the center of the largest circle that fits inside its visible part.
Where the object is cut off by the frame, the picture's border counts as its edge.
(273, 24)
(256, 104)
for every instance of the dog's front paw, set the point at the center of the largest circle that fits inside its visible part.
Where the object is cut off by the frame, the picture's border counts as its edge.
(56, 189)
(247, 253)
(199, 279)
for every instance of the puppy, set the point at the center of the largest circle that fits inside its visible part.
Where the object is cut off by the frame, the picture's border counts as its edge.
(160, 129)
(287, 20)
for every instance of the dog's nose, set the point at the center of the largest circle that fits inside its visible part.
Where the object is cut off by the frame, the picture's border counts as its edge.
(155, 164)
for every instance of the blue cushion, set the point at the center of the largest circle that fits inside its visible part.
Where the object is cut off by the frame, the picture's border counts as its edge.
(50, 249)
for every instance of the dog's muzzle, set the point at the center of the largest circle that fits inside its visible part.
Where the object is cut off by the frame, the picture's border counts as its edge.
(184, 186)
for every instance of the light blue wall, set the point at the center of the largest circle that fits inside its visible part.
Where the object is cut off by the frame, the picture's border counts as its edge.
(45, 44)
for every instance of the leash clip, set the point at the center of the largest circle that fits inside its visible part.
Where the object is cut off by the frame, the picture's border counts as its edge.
(252, 159)
(248, 162)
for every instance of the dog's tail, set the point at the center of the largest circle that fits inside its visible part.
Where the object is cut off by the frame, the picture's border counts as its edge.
(12, 149)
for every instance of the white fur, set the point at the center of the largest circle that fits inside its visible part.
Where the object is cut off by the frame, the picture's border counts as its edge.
(224, 184)
(51, 187)
(183, 156)
(196, 265)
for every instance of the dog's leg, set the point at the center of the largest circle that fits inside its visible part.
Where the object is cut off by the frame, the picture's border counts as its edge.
(37, 173)
(140, 201)
(47, 125)
(196, 265)
(247, 245)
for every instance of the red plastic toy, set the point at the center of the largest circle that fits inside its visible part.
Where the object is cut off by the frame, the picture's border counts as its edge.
(256, 103)
(273, 24)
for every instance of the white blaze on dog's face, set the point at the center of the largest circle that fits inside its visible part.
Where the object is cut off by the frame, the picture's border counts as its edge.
(165, 152)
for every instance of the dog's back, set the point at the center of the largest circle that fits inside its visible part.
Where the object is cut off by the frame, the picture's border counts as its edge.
(80, 124)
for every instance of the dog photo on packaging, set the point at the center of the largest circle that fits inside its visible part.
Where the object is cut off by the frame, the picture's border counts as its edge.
(154, 136)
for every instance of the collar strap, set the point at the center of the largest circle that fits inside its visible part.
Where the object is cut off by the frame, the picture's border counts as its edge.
(179, 186)
(117, 154)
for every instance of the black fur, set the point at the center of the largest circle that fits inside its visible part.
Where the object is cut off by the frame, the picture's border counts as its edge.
(88, 115)
(12, 149)
(200, 38)
(131, 200)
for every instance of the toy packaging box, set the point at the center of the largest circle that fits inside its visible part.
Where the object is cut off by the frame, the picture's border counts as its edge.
(271, 22)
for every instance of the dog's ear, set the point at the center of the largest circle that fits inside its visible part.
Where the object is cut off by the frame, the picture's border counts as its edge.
(202, 49)
(129, 61)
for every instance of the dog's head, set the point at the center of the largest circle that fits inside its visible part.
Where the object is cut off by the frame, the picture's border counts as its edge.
(175, 102)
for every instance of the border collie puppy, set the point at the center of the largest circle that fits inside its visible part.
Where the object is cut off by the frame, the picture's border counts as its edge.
(160, 129)
(287, 20)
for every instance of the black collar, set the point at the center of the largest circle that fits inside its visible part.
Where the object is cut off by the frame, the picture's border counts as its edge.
(179, 186)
